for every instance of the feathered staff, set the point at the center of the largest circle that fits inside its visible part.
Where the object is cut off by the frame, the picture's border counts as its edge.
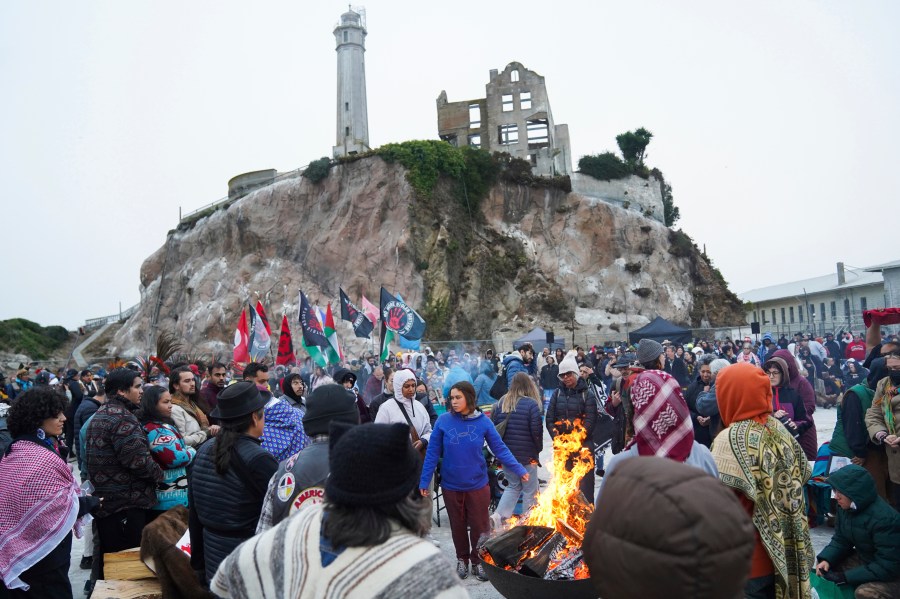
(167, 345)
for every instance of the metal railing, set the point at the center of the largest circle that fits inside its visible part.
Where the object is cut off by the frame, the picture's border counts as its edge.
(96, 323)
(213, 205)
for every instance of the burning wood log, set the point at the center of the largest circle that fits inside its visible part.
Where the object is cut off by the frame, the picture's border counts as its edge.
(510, 547)
(552, 550)
(565, 569)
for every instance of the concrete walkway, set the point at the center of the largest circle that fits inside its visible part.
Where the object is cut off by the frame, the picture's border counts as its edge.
(80, 362)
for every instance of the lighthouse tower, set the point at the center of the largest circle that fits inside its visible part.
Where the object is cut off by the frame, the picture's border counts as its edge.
(352, 116)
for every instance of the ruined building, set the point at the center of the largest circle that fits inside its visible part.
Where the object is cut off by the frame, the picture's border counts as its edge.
(352, 135)
(513, 117)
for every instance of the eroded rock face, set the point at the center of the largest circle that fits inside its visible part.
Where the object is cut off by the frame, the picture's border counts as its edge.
(530, 257)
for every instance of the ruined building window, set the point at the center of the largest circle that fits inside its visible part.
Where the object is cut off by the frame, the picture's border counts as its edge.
(822, 312)
(773, 316)
(474, 116)
(507, 103)
(525, 100)
(475, 140)
(508, 134)
(533, 159)
(450, 139)
(847, 309)
(833, 311)
(345, 36)
(783, 319)
(346, 106)
(538, 133)
(863, 304)
(347, 131)
(514, 76)
(800, 312)
(792, 314)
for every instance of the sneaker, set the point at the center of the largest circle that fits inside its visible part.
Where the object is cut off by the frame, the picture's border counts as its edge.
(479, 571)
(462, 569)
(88, 588)
(496, 521)
(433, 540)
(87, 562)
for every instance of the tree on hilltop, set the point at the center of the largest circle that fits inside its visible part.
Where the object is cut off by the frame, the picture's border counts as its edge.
(633, 144)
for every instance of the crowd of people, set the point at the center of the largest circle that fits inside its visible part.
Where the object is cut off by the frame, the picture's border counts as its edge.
(330, 471)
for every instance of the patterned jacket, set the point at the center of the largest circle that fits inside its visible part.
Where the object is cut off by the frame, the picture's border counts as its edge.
(118, 459)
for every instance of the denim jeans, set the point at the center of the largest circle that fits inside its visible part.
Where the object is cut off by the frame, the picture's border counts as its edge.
(507, 503)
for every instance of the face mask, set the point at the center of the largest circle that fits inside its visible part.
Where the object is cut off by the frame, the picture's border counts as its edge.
(895, 377)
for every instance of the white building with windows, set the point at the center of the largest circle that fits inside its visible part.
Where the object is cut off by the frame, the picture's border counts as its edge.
(819, 305)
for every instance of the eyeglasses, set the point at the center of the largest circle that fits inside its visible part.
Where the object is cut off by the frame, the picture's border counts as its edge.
(773, 373)
(568, 374)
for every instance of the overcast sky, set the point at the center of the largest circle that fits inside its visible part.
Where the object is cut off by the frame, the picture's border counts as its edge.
(775, 122)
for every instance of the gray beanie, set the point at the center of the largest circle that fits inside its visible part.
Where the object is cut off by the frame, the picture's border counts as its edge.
(327, 404)
(649, 350)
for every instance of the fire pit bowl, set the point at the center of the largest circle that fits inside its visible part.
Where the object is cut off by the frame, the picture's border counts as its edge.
(513, 585)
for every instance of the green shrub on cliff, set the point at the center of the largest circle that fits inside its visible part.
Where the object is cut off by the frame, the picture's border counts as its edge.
(605, 167)
(30, 338)
(318, 169)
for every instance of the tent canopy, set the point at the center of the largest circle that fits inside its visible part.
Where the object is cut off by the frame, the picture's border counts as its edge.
(538, 338)
(660, 329)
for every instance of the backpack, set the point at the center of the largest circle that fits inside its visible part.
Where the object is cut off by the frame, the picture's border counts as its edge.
(500, 386)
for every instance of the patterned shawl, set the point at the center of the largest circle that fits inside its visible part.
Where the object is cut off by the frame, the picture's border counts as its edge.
(662, 422)
(193, 409)
(766, 464)
(283, 433)
(38, 508)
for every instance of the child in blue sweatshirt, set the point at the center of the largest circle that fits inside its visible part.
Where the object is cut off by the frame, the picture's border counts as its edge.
(458, 437)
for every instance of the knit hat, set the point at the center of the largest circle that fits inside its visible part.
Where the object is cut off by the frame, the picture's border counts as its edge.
(649, 350)
(371, 465)
(684, 539)
(327, 404)
(568, 364)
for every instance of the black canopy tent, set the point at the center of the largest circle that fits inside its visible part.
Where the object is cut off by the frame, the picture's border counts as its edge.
(660, 329)
(538, 338)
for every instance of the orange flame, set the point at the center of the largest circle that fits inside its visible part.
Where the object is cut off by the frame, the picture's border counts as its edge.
(559, 506)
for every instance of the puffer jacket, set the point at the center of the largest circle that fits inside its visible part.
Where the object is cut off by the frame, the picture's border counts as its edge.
(567, 404)
(225, 509)
(523, 436)
(872, 529)
(118, 458)
(513, 365)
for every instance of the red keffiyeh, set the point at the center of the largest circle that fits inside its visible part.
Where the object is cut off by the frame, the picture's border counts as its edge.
(885, 316)
(38, 508)
(662, 422)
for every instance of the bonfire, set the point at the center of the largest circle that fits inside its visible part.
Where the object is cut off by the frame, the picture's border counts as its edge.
(546, 543)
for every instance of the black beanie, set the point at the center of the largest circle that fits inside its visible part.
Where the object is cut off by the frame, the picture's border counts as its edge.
(329, 403)
(372, 464)
(877, 371)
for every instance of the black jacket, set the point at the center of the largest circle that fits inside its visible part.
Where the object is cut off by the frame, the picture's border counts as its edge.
(523, 434)
(702, 434)
(550, 377)
(568, 404)
(224, 510)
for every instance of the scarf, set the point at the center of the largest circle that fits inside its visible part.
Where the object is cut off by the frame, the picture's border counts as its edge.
(38, 507)
(662, 422)
(764, 463)
(191, 408)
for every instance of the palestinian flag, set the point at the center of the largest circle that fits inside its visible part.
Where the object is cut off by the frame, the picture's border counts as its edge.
(362, 326)
(241, 339)
(313, 338)
(285, 344)
(387, 337)
(334, 348)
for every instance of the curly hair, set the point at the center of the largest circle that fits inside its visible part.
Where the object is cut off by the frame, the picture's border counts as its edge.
(31, 408)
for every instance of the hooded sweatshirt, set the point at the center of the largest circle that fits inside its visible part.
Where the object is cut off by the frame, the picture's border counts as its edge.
(870, 526)
(390, 411)
(808, 440)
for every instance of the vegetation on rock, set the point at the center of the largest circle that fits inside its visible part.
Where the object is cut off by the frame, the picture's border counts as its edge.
(29, 338)
(317, 169)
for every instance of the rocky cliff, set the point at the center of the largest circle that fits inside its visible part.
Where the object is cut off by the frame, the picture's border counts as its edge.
(524, 256)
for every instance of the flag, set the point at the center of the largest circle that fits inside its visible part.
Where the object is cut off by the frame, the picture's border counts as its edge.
(405, 342)
(285, 344)
(262, 314)
(312, 339)
(387, 336)
(370, 310)
(400, 318)
(334, 348)
(259, 336)
(241, 338)
(362, 326)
